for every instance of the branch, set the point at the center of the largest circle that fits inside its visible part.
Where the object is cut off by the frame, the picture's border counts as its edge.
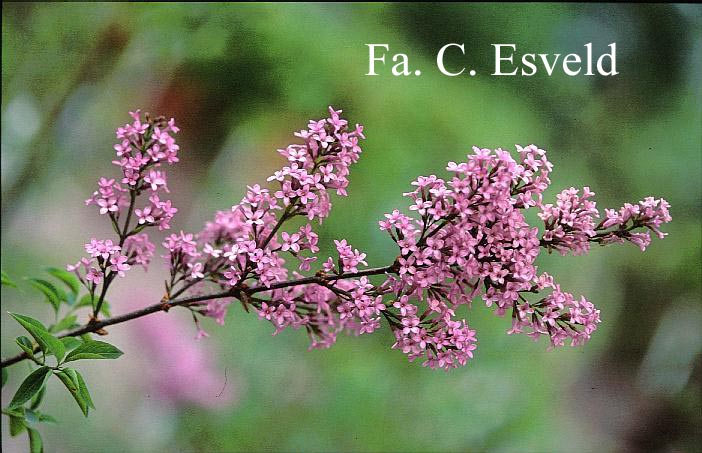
(165, 305)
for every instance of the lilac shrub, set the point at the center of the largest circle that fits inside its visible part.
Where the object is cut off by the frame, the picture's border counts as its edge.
(463, 237)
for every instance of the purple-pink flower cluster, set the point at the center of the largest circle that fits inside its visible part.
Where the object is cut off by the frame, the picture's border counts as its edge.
(247, 242)
(560, 316)
(464, 236)
(144, 145)
(650, 214)
(468, 237)
(571, 225)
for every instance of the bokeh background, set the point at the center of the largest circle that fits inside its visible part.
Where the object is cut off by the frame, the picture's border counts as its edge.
(240, 79)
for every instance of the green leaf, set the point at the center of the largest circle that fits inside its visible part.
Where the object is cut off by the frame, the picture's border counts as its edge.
(35, 443)
(94, 350)
(64, 324)
(68, 278)
(53, 294)
(4, 376)
(6, 280)
(69, 377)
(17, 425)
(23, 319)
(83, 389)
(70, 343)
(26, 345)
(36, 401)
(47, 342)
(30, 386)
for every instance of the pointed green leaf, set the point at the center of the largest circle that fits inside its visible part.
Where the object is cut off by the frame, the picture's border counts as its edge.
(69, 378)
(64, 324)
(17, 425)
(68, 278)
(6, 280)
(94, 350)
(47, 342)
(83, 389)
(35, 443)
(23, 319)
(53, 294)
(26, 345)
(36, 401)
(30, 386)
(70, 343)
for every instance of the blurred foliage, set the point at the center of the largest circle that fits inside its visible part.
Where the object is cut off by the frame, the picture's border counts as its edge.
(239, 78)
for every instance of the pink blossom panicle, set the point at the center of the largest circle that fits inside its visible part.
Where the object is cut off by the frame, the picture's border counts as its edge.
(143, 146)
(464, 237)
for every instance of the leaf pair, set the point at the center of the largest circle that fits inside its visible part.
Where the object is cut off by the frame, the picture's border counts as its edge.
(50, 345)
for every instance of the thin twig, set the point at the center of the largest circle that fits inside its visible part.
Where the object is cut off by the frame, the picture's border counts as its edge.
(165, 305)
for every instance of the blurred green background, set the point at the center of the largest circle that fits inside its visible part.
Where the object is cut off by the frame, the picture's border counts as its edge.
(239, 79)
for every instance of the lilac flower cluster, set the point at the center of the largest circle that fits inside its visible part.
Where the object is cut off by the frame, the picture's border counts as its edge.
(560, 316)
(571, 225)
(464, 236)
(470, 237)
(246, 244)
(650, 214)
(467, 237)
(143, 147)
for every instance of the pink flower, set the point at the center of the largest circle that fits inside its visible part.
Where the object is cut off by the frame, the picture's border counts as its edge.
(139, 249)
(119, 264)
(107, 205)
(156, 179)
(349, 258)
(290, 242)
(94, 275)
(144, 215)
(196, 270)
(101, 249)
